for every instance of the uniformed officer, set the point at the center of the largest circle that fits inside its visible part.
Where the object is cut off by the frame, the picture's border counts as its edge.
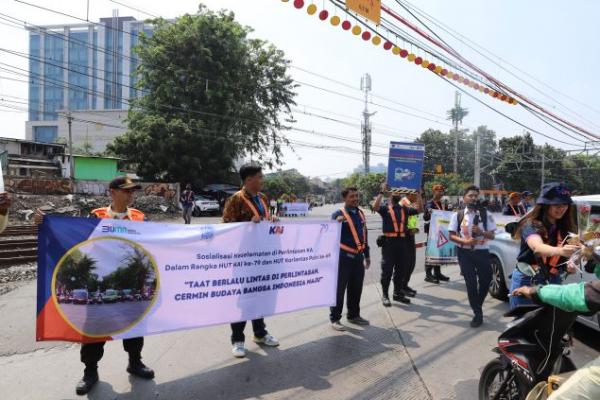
(514, 208)
(249, 204)
(354, 260)
(122, 194)
(395, 245)
(435, 203)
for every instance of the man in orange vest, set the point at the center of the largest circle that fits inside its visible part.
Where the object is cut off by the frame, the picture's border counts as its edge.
(121, 192)
(249, 204)
(514, 208)
(397, 246)
(354, 260)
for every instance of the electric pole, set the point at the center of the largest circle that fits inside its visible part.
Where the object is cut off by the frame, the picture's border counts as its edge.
(456, 118)
(543, 168)
(365, 126)
(71, 158)
(477, 178)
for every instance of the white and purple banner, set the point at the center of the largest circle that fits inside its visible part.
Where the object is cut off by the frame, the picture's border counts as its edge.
(103, 279)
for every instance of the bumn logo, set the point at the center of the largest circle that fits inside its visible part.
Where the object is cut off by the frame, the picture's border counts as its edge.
(276, 230)
(118, 229)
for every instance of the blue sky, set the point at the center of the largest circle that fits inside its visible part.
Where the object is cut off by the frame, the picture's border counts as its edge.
(554, 42)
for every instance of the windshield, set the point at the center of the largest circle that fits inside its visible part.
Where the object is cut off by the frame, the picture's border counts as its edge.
(80, 293)
(110, 293)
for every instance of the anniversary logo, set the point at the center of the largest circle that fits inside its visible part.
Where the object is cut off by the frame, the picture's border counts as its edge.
(102, 281)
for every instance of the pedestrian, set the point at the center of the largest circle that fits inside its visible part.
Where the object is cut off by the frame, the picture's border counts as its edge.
(513, 207)
(471, 228)
(542, 234)
(5, 202)
(433, 272)
(246, 205)
(122, 194)
(395, 245)
(273, 205)
(411, 201)
(528, 201)
(187, 203)
(354, 260)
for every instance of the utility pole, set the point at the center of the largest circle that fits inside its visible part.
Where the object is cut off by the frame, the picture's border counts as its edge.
(457, 108)
(365, 126)
(477, 177)
(543, 167)
(71, 158)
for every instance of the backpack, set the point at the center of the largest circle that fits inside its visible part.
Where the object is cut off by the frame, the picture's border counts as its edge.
(483, 213)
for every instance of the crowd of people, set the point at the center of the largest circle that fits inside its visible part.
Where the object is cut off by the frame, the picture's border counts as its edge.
(543, 230)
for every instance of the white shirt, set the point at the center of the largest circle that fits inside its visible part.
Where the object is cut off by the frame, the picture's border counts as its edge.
(466, 229)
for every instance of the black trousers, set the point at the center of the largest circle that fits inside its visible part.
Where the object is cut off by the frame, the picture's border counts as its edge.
(395, 263)
(237, 330)
(477, 271)
(411, 252)
(91, 353)
(351, 275)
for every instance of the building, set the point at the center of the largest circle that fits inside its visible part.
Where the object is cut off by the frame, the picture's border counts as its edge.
(28, 159)
(86, 69)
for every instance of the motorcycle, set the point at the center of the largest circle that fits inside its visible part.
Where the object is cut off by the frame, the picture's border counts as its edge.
(530, 350)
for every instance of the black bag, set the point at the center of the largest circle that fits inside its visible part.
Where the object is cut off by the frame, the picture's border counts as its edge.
(380, 240)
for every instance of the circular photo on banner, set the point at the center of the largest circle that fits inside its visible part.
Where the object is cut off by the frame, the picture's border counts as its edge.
(104, 286)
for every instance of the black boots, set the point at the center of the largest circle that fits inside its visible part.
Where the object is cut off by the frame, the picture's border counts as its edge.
(136, 367)
(429, 277)
(438, 274)
(90, 377)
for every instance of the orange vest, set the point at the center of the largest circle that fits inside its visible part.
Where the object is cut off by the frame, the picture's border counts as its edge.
(553, 262)
(132, 214)
(254, 209)
(360, 246)
(398, 232)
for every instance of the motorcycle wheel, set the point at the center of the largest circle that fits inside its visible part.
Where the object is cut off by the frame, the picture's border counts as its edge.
(492, 377)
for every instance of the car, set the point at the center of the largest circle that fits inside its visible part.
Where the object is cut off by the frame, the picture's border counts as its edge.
(503, 258)
(96, 298)
(80, 296)
(110, 296)
(401, 174)
(203, 205)
(127, 295)
(62, 298)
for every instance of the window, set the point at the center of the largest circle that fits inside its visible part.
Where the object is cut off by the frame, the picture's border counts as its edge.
(45, 134)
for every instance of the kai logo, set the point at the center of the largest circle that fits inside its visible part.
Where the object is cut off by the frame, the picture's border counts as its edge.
(118, 229)
(276, 230)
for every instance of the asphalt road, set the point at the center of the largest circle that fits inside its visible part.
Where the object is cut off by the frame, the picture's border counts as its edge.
(104, 319)
(425, 350)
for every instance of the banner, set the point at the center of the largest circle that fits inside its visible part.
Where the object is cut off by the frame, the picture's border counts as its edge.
(405, 165)
(440, 250)
(370, 9)
(103, 279)
(295, 209)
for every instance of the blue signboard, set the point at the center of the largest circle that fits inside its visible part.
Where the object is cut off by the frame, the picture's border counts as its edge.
(405, 165)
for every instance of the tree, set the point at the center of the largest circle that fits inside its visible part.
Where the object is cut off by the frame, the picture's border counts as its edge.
(77, 272)
(367, 184)
(211, 95)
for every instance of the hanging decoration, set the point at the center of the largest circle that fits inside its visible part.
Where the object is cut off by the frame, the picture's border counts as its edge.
(366, 33)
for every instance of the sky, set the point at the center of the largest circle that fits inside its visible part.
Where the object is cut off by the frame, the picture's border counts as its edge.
(552, 43)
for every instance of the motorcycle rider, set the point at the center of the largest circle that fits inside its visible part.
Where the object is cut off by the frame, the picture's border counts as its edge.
(581, 297)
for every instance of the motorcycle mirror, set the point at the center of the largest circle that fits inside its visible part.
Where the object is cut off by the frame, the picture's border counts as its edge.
(511, 228)
(526, 269)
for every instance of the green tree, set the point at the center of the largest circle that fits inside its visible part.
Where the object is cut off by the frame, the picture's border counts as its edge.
(367, 184)
(77, 272)
(211, 95)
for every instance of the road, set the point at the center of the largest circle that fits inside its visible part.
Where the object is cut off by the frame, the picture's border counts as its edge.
(425, 350)
(104, 319)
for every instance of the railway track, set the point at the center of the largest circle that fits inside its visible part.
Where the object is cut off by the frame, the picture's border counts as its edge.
(16, 247)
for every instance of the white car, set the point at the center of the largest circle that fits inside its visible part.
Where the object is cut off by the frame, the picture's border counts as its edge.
(204, 205)
(504, 251)
(403, 174)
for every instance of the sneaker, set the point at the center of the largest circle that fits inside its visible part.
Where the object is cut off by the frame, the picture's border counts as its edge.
(476, 322)
(358, 321)
(401, 298)
(410, 292)
(386, 302)
(238, 350)
(337, 325)
(267, 340)
(431, 279)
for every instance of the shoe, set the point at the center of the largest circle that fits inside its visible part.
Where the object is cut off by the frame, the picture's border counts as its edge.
(267, 340)
(410, 292)
(386, 302)
(86, 383)
(476, 322)
(401, 298)
(442, 277)
(358, 321)
(138, 369)
(432, 279)
(238, 350)
(337, 325)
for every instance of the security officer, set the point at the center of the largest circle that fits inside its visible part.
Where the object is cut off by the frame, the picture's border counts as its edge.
(434, 204)
(122, 194)
(246, 205)
(395, 244)
(514, 208)
(354, 260)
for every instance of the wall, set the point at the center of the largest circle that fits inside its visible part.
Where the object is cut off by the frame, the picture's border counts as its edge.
(91, 168)
(166, 190)
(38, 186)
